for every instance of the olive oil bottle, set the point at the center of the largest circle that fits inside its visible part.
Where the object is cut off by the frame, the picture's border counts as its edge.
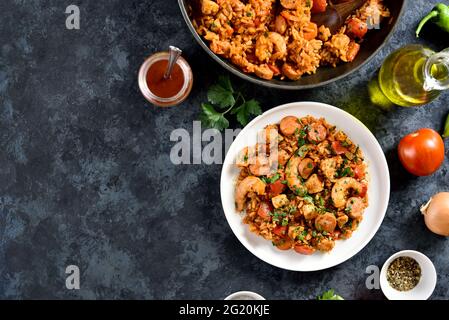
(414, 75)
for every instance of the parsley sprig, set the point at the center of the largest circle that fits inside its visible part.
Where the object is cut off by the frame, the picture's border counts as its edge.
(222, 96)
(330, 295)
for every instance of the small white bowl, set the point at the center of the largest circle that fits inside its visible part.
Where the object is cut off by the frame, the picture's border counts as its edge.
(425, 286)
(245, 295)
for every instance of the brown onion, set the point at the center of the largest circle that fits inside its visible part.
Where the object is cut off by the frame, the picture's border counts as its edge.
(436, 214)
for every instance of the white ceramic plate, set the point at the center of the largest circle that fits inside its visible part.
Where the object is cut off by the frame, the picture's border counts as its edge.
(378, 190)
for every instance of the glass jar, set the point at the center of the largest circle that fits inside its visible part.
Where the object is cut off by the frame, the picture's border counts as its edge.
(414, 75)
(145, 73)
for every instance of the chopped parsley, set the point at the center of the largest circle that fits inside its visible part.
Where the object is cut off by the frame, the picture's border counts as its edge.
(302, 151)
(272, 179)
(345, 172)
(321, 201)
(302, 235)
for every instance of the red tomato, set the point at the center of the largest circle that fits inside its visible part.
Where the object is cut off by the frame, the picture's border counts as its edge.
(284, 244)
(280, 231)
(364, 190)
(338, 147)
(421, 152)
(276, 188)
(302, 249)
(319, 6)
(356, 28)
(264, 211)
(359, 171)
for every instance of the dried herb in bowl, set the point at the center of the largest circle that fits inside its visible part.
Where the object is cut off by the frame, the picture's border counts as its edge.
(404, 273)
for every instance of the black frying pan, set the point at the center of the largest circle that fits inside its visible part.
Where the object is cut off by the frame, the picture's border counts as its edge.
(373, 42)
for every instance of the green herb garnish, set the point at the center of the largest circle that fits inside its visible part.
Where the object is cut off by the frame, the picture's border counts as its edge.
(330, 295)
(273, 179)
(222, 96)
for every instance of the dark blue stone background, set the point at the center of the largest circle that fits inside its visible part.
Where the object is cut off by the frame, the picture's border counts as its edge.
(85, 175)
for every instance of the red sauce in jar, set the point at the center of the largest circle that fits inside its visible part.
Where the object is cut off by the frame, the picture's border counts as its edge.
(164, 88)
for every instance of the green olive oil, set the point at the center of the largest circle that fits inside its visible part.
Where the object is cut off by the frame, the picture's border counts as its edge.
(409, 77)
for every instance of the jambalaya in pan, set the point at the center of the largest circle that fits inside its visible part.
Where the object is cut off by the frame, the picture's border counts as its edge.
(277, 38)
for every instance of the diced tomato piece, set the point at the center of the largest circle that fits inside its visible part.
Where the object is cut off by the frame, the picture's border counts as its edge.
(359, 171)
(356, 28)
(306, 250)
(280, 231)
(338, 148)
(264, 211)
(319, 6)
(364, 190)
(276, 188)
(284, 244)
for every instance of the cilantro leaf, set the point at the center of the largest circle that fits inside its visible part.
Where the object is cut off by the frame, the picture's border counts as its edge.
(330, 295)
(225, 82)
(220, 96)
(212, 118)
(248, 108)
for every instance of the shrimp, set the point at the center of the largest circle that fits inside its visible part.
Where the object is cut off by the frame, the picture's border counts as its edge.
(290, 17)
(280, 25)
(314, 184)
(341, 189)
(263, 71)
(306, 167)
(291, 173)
(326, 222)
(290, 72)
(208, 7)
(270, 46)
(289, 125)
(249, 184)
(291, 4)
(355, 207)
(220, 47)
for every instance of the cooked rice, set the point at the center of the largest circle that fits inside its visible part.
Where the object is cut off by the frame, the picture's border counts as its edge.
(265, 38)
